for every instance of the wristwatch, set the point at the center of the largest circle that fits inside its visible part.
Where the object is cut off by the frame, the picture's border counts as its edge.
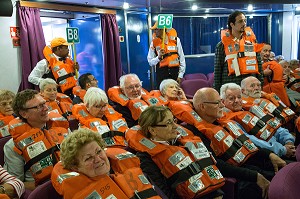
(2, 189)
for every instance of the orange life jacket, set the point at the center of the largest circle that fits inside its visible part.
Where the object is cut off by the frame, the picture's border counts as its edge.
(128, 180)
(4, 121)
(241, 55)
(277, 83)
(4, 196)
(170, 58)
(269, 103)
(63, 107)
(136, 106)
(190, 168)
(63, 73)
(112, 130)
(227, 139)
(263, 128)
(157, 94)
(40, 148)
(294, 81)
(78, 91)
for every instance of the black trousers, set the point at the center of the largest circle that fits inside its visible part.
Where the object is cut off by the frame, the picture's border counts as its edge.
(165, 73)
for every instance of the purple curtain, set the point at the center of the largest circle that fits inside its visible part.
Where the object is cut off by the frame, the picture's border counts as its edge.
(111, 50)
(32, 42)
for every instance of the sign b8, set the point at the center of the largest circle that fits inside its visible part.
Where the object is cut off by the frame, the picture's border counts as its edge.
(72, 35)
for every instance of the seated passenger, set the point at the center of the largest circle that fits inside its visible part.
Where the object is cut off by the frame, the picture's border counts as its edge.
(130, 99)
(87, 170)
(169, 152)
(265, 132)
(10, 185)
(236, 155)
(56, 102)
(6, 111)
(85, 81)
(98, 116)
(171, 90)
(34, 147)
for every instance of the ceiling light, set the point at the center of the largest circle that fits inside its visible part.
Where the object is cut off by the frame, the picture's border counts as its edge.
(250, 7)
(125, 5)
(207, 11)
(251, 17)
(298, 8)
(194, 7)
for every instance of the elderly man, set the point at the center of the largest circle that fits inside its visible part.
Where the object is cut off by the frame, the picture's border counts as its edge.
(130, 99)
(85, 82)
(264, 132)
(56, 65)
(33, 149)
(273, 83)
(236, 155)
(236, 54)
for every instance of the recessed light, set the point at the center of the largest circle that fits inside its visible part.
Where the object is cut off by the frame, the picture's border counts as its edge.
(194, 7)
(126, 5)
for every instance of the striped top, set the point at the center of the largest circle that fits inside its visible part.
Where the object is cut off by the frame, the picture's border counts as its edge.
(18, 185)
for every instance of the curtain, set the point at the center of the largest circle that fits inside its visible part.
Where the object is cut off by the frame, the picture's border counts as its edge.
(259, 25)
(183, 27)
(32, 42)
(111, 50)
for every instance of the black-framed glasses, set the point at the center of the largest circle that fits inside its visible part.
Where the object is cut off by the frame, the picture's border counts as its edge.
(219, 102)
(37, 107)
(168, 123)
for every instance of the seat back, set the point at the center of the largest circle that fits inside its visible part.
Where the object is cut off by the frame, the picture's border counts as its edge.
(2, 143)
(191, 86)
(210, 78)
(298, 154)
(285, 184)
(195, 76)
(45, 191)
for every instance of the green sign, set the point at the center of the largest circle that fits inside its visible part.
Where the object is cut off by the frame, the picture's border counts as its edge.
(72, 35)
(165, 20)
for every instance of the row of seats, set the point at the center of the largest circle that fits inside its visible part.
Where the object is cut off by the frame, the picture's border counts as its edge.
(192, 82)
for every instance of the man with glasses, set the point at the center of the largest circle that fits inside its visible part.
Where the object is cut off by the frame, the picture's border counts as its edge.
(130, 99)
(56, 65)
(236, 56)
(33, 150)
(265, 132)
(85, 82)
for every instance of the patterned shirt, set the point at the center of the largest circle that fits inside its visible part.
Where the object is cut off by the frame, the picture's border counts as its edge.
(17, 184)
(221, 69)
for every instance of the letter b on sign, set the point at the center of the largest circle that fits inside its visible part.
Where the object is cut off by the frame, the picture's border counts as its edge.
(72, 35)
(165, 20)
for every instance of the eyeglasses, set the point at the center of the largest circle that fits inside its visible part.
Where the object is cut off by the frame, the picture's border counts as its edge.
(91, 158)
(37, 107)
(137, 86)
(169, 123)
(219, 102)
(4, 104)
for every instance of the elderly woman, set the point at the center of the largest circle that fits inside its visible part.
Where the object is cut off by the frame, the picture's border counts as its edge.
(6, 111)
(180, 172)
(171, 90)
(57, 102)
(96, 114)
(84, 170)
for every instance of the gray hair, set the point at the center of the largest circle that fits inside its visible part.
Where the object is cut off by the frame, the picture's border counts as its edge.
(123, 78)
(46, 82)
(94, 96)
(227, 86)
(283, 62)
(165, 83)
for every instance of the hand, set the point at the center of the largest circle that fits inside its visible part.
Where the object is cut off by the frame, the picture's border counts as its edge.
(276, 161)
(181, 95)
(263, 183)
(290, 150)
(267, 72)
(179, 81)
(76, 66)
(161, 53)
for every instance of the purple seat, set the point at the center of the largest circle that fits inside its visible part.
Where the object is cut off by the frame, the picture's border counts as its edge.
(195, 76)
(285, 183)
(2, 143)
(298, 153)
(45, 191)
(192, 85)
(210, 78)
(229, 188)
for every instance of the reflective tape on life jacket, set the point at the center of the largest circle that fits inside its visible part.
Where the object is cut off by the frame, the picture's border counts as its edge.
(241, 55)
(4, 121)
(78, 91)
(190, 169)
(40, 148)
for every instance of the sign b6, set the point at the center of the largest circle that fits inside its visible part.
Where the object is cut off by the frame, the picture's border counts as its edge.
(165, 20)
